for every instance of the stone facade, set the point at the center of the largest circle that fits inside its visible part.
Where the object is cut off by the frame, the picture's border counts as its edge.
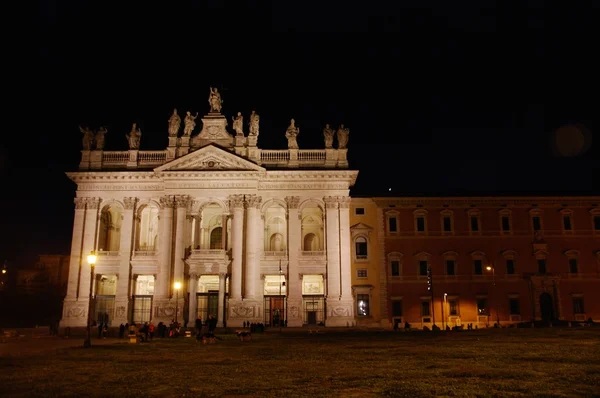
(252, 235)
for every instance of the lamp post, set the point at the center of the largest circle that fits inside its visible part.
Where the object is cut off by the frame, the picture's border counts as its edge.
(444, 305)
(91, 259)
(493, 269)
(177, 286)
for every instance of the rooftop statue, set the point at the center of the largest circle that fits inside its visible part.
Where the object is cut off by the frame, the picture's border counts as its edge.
(291, 133)
(174, 124)
(238, 125)
(328, 133)
(100, 137)
(254, 119)
(189, 123)
(88, 138)
(134, 137)
(215, 101)
(342, 136)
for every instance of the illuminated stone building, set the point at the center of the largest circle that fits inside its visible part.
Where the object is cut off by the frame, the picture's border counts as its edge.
(251, 234)
(493, 260)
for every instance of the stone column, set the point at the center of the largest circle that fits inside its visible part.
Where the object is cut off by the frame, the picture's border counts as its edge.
(236, 203)
(333, 248)
(197, 240)
(193, 307)
(345, 253)
(182, 203)
(161, 290)
(89, 244)
(221, 308)
(224, 232)
(252, 231)
(125, 250)
(294, 283)
(75, 311)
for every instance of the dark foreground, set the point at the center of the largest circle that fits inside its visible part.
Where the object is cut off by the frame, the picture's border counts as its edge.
(500, 362)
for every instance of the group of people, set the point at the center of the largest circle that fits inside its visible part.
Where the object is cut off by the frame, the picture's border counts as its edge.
(205, 327)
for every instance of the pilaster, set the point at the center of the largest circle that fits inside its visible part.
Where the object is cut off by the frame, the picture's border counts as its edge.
(345, 254)
(294, 286)
(236, 203)
(182, 203)
(125, 249)
(333, 247)
(165, 231)
(221, 306)
(193, 305)
(252, 224)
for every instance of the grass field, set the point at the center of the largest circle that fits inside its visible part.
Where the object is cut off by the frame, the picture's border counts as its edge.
(501, 362)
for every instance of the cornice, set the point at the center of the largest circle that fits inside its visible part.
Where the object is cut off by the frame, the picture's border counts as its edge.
(482, 202)
(112, 176)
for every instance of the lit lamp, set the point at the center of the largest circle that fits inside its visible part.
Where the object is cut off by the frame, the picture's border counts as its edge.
(493, 269)
(177, 286)
(91, 258)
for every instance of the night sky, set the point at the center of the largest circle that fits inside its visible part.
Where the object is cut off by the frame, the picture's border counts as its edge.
(440, 99)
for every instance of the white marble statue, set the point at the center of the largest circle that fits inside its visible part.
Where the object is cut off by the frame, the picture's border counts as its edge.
(134, 137)
(328, 133)
(238, 125)
(99, 138)
(342, 136)
(189, 123)
(254, 119)
(291, 133)
(215, 101)
(174, 124)
(88, 137)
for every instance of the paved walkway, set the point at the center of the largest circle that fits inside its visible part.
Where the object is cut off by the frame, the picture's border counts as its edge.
(23, 346)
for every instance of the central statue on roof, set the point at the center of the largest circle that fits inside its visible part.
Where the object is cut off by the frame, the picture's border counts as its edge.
(215, 101)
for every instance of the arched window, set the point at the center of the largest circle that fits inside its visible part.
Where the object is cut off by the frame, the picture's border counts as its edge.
(312, 228)
(109, 233)
(361, 248)
(216, 238)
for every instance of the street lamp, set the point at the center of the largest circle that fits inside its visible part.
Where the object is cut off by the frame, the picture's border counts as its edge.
(493, 269)
(91, 259)
(177, 287)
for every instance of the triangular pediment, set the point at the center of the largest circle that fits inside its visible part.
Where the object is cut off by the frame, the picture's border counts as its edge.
(361, 226)
(210, 158)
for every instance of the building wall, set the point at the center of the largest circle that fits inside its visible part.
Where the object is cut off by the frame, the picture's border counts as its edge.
(557, 242)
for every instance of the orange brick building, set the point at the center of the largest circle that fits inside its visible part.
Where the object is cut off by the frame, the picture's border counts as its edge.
(501, 259)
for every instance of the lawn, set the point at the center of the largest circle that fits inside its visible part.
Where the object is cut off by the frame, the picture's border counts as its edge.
(498, 362)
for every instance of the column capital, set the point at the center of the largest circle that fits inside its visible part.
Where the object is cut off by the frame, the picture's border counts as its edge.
(80, 203)
(292, 201)
(236, 201)
(331, 202)
(129, 203)
(166, 202)
(93, 203)
(253, 201)
(183, 200)
(194, 275)
(344, 202)
(223, 275)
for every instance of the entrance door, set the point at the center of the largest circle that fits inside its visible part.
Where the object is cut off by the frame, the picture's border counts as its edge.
(311, 317)
(277, 311)
(208, 304)
(546, 308)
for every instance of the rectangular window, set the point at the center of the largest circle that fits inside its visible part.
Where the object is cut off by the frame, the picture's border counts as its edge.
(573, 265)
(474, 224)
(478, 267)
(450, 267)
(420, 224)
(359, 211)
(567, 223)
(362, 301)
(361, 273)
(396, 307)
(510, 266)
(393, 224)
(578, 305)
(597, 223)
(541, 265)
(447, 224)
(423, 268)
(505, 224)
(514, 306)
(395, 268)
(482, 308)
(453, 307)
(361, 248)
(425, 308)
(537, 223)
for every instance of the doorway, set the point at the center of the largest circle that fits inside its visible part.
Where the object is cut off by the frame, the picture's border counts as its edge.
(546, 308)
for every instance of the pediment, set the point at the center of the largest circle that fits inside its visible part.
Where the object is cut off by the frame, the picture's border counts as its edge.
(209, 158)
(361, 226)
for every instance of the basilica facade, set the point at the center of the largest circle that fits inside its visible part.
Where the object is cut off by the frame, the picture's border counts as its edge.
(211, 226)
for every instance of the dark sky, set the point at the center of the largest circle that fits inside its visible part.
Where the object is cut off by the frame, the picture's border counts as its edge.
(440, 99)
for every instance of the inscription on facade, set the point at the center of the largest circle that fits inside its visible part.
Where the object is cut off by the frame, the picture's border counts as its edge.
(117, 187)
(200, 185)
(301, 186)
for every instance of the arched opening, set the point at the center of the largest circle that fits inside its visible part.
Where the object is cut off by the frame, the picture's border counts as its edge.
(546, 307)
(310, 243)
(216, 238)
(147, 228)
(276, 244)
(360, 246)
(109, 233)
(312, 228)
(275, 231)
